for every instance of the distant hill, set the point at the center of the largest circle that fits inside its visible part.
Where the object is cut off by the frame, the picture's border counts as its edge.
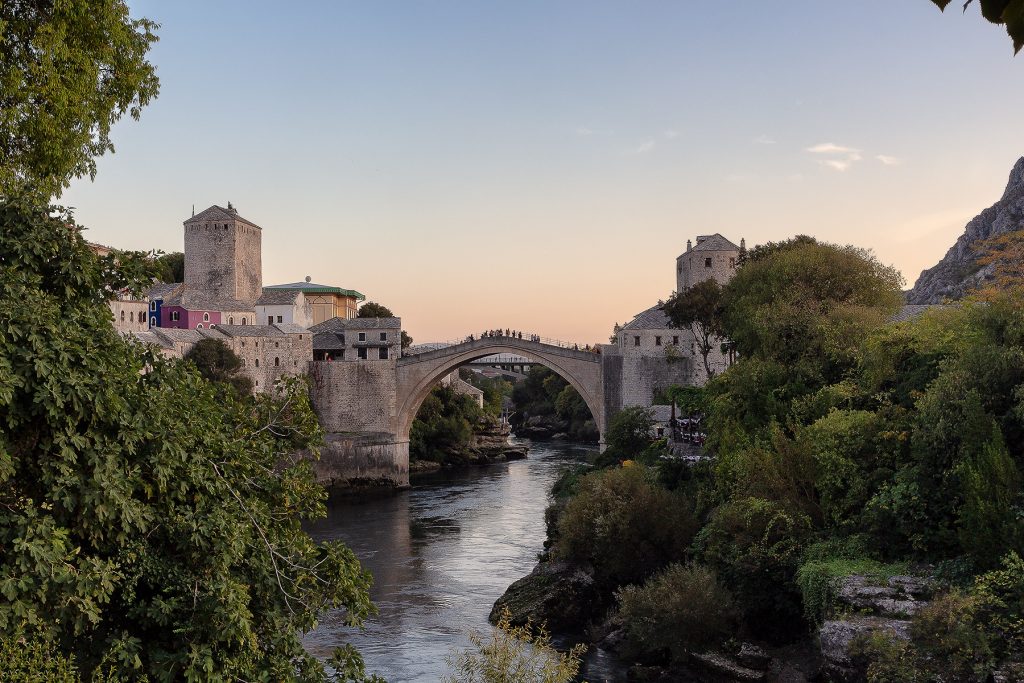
(959, 272)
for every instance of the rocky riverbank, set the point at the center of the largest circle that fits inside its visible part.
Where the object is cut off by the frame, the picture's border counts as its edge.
(489, 445)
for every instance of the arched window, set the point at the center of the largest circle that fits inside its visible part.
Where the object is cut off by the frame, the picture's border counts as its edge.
(231, 321)
(122, 316)
(243, 321)
(131, 316)
(199, 326)
(277, 361)
(257, 362)
(142, 317)
(206, 317)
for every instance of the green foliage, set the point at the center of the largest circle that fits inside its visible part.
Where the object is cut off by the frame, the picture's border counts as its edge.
(149, 524)
(495, 389)
(754, 546)
(514, 654)
(171, 267)
(625, 524)
(681, 609)
(443, 429)
(33, 661)
(545, 393)
(68, 72)
(1009, 13)
(699, 310)
(1000, 595)
(218, 363)
(689, 400)
(819, 581)
(628, 434)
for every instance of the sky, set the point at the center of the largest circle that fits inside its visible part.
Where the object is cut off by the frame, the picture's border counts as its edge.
(538, 165)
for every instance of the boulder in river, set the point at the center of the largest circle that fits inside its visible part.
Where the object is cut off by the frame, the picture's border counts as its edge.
(557, 593)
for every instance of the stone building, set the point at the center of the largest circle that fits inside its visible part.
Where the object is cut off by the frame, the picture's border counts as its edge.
(223, 261)
(131, 314)
(350, 339)
(268, 352)
(655, 355)
(285, 306)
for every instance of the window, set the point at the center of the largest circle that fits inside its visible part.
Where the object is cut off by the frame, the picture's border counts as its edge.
(122, 316)
(732, 261)
(636, 340)
(270, 320)
(142, 317)
(383, 353)
(383, 336)
(257, 362)
(131, 316)
(277, 361)
(175, 315)
(231, 320)
(257, 345)
(361, 353)
(243, 345)
(152, 305)
(362, 336)
(657, 341)
(206, 317)
(199, 326)
(675, 341)
(276, 345)
(280, 319)
(707, 262)
(244, 322)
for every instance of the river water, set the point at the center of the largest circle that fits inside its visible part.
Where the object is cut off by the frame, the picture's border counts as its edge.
(441, 553)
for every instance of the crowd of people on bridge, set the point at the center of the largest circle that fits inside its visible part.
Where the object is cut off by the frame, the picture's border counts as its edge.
(507, 332)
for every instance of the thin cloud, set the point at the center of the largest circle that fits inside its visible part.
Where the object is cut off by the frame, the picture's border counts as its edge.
(584, 131)
(888, 160)
(832, 148)
(764, 140)
(644, 147)
(671, 133)
(838, 164)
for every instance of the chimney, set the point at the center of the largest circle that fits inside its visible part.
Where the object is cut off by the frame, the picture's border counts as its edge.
(743, 244)
(689, 245)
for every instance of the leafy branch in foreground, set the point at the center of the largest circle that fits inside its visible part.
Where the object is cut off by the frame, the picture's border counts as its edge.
(514, 654)
(1009, 13)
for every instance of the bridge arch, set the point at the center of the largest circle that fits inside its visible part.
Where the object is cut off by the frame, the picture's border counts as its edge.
(419, 373)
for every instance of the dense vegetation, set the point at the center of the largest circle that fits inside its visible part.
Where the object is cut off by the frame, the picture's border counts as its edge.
(843, 444)
(443, 429)
(552, 401)
(149, 518)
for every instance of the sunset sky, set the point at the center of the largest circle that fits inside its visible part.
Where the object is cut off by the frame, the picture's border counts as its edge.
(539, 165)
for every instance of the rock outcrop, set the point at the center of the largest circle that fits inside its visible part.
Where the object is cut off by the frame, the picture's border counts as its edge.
(557, 593)
(959, 272)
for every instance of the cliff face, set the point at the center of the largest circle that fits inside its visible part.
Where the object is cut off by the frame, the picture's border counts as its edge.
(958, 271)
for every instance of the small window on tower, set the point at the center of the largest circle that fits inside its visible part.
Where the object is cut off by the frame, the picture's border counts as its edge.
(657, 341)
(636, 340)
(707, 262)
(383, 336)
(732, 261)
(675, 341)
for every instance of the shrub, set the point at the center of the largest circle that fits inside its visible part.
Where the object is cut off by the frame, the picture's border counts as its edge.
(683, 608)
(514, 654)
(1000, 596)
(754, 546)
(29, 661)
(626, 525)
(820, 579)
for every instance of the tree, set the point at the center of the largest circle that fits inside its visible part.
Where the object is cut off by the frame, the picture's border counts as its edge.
(699, 309)
(374, 310)
(1009, 13)
(171, 267)
(218, 363)
(149, 524)
(68, 71)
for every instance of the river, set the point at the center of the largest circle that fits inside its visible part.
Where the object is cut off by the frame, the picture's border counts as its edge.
(441, 553)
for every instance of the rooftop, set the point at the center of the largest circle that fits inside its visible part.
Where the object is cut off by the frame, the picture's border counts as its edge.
(278, 297)
(314, 288)
(652, 319)
(343, 324)
(714, 243)
(219, 213)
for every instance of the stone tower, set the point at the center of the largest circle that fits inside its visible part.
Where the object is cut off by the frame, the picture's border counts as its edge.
(223, 264)
(712, 257)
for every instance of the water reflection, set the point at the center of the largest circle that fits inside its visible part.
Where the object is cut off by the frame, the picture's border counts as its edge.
(441, 554)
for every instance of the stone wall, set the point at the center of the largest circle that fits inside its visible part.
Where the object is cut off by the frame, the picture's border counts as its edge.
(355, 397)
(267, 359)
(643, 376)
(224, 259)
(130, 315)
(691, 267)
(348, 460)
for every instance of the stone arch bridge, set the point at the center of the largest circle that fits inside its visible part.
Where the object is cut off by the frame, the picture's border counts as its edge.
(367, 407)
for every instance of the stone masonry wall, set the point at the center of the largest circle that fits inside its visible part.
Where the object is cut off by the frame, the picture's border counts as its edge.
(224, 259)
(352, 459)
(355, 397)
(691, 267)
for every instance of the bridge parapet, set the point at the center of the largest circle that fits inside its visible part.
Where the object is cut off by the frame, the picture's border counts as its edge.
(525, 345)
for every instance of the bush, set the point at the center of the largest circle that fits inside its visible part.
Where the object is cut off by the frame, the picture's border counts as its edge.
(29, 661)
(754, 546)
(684, 608)
(625, 524)
(514, 654)
(819, 581)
